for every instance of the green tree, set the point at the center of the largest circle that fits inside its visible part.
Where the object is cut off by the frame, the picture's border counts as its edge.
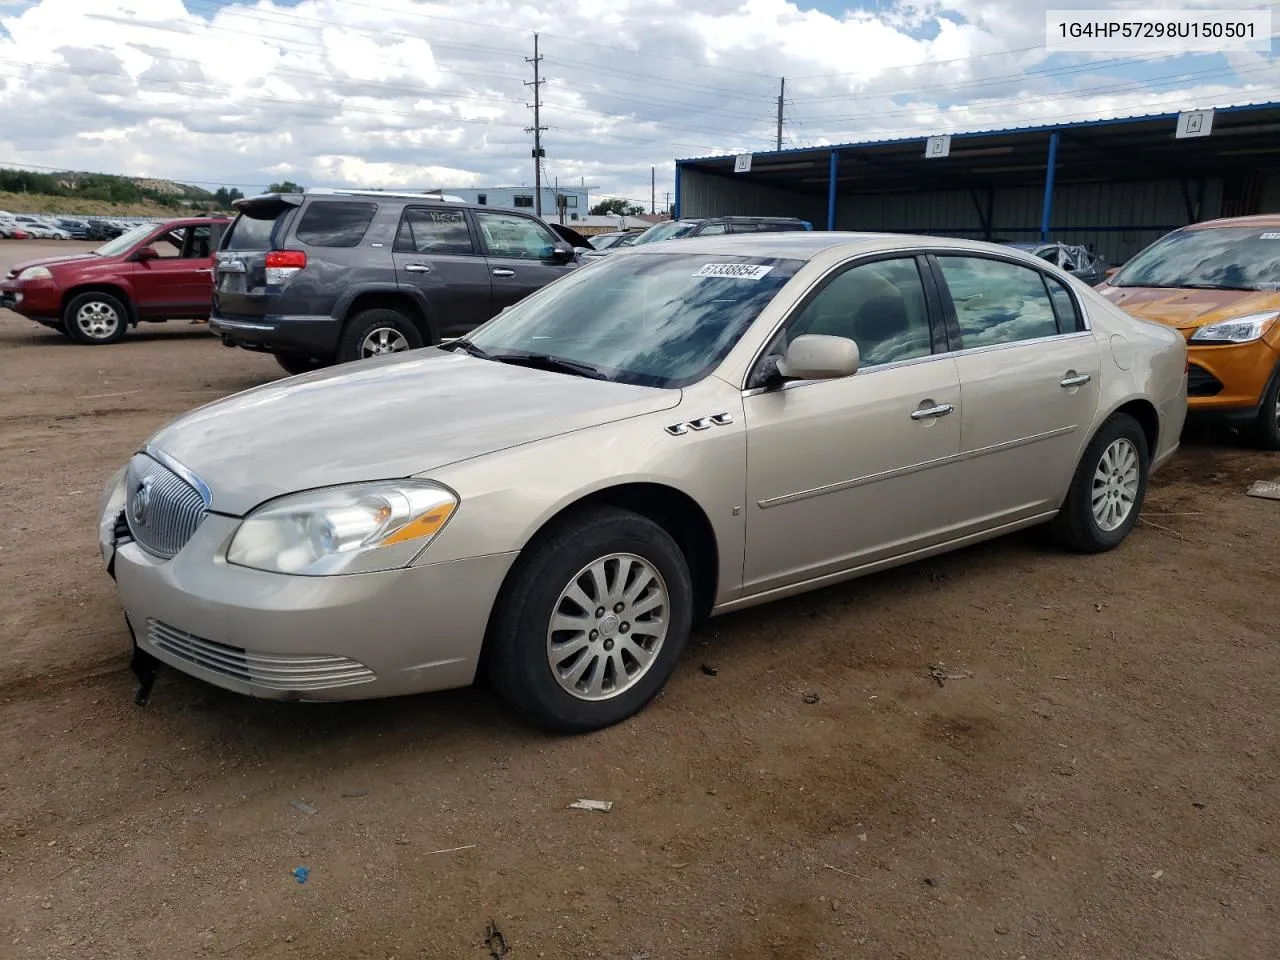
(616, 207)
(287, 186)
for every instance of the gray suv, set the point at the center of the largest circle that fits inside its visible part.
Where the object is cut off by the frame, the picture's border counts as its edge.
(331, 276)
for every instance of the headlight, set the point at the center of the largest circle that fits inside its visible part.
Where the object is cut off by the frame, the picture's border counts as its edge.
(111, 503)
(356, 529)
(35, 273)
(1236, 330)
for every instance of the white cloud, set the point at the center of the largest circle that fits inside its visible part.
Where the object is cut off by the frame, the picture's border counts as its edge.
(404, 93)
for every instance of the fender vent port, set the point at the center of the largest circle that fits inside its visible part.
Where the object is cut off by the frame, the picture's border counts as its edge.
(1202, 383)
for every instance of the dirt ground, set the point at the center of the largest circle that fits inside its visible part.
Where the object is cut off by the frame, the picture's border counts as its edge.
(1100, 779)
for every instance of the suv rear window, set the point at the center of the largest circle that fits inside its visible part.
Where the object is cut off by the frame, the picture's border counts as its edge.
(250, 233)
(328, 223)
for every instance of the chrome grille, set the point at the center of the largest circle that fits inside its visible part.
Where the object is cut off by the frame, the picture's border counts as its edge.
(273, 672)
(162, 509)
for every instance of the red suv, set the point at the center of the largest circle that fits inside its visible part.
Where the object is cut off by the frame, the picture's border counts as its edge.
(155, 272)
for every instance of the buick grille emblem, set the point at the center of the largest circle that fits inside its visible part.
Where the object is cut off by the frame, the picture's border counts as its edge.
(141, 500)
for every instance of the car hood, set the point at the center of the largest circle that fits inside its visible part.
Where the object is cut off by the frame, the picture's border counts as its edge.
(385, 418)
(51, 262)
(1187, 309)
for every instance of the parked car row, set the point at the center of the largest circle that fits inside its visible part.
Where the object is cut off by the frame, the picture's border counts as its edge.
(29, 226)
(333, 276)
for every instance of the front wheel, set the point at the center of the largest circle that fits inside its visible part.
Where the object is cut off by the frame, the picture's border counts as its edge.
(591, 622)
(374, 333)
(1266, 429)
(95, 318)
(1107, 488)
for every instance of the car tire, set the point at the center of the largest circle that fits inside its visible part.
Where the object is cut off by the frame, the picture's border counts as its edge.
(1107, 488)
(96, 318)
(532, 665)
(1265, 431)
(380, 331)
(294, 364)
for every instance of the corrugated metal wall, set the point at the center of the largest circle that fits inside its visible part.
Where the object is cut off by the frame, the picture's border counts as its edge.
(706, 195)
(1116, 219)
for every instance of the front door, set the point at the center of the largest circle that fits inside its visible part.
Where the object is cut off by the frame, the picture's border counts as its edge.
(179, 282)
(1029, 371)
(436, 253)
(519, 251)
(842, 473)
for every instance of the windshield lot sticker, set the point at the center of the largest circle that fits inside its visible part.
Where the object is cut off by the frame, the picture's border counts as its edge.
(1270, 236)
(733, 271)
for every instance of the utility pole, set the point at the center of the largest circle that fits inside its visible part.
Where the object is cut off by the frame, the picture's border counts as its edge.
(653, 190)
(782, 92)
(537, 129)
(667, 204)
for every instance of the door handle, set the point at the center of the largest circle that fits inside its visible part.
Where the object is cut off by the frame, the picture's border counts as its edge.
(927, 413)
(502, 272)
(416, 268)
(1073, 379)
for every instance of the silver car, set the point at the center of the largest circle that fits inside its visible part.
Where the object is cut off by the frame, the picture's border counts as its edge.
(683, 430)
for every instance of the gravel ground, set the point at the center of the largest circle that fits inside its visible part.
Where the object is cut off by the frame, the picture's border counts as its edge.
(1100, 779)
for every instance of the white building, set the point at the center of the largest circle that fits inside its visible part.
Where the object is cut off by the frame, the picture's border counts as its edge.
(576, 202)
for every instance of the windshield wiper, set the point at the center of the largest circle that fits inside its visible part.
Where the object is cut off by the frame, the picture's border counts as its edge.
(1216, 286)
(544, 361)
(468, 347)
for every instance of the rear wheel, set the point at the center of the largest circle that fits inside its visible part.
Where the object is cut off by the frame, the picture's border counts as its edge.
(95, 318)
(592, 621)
(375, 333)
(292, 363)
(1266, 429)
(1107, 489)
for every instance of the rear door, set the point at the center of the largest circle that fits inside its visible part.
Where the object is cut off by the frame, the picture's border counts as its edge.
(436, 253)
(1029, 372)
(239, 269)
(518, 250)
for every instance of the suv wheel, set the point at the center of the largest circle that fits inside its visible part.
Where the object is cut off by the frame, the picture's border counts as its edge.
(293, 364)
(1266, 429)
(377, 332)
(95, 318)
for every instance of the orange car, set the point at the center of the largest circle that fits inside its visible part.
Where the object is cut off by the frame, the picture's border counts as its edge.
(1217, 282)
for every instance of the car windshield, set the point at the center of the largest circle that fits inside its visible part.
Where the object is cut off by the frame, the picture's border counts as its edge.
(1224, 258)
(656, 320)
(124, 242)
(606, 241)
(664, 231)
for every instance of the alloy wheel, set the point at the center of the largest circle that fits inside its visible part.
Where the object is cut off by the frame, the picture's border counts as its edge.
(1115, 484)
(381, 340)
(97, 320)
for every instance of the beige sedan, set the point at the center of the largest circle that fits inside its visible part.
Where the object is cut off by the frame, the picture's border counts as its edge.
(678, 431)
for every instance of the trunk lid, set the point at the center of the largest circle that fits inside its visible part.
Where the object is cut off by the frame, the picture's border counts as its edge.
(240, 282)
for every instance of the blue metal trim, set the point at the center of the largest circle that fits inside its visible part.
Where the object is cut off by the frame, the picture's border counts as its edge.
(675, 202)
(1051, 168)
(1000, 131)
(831, 189)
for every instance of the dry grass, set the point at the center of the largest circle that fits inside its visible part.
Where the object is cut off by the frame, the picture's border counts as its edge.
(42, 203)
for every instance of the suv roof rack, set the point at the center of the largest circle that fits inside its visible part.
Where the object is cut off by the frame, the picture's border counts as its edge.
(374, 192)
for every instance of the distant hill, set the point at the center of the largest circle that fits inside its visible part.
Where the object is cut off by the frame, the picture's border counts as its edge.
(99, 188)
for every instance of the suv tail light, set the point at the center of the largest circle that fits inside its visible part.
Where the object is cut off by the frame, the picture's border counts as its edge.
(283, 264)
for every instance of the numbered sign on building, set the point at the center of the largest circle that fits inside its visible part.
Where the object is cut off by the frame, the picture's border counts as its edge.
(742, 163)
(937, 147)
(1194, 123)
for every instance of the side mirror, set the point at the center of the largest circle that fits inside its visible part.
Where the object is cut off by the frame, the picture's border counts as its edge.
(816, 356)
(562, 252)
(146, 253)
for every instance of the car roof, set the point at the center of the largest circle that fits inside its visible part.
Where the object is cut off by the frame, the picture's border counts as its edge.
(1259, 220)
(807, 245)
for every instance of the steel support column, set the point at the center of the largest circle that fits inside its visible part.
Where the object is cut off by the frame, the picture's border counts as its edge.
(1046, 211)
(675, 203)
(831, 189)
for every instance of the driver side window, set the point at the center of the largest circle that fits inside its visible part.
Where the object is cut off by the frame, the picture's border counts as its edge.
(508, 235)
(881, 306)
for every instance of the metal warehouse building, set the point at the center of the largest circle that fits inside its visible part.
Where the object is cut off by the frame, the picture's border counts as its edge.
(1114, 184)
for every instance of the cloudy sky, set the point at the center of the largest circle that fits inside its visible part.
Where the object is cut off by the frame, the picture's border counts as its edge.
(406, 93)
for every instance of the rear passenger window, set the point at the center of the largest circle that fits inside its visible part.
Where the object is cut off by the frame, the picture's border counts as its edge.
(335, 223)
(998, 302)
(714, 229)
(427, 230)
(1064, 306)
